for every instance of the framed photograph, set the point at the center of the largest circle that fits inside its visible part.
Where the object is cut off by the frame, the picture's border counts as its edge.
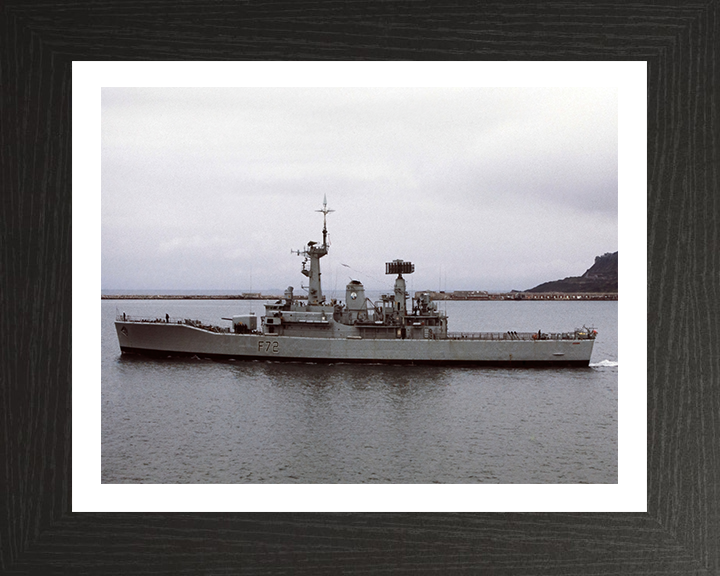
(483, 170)
(659, 516)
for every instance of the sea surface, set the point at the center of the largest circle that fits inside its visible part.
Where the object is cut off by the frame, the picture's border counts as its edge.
(201, 421)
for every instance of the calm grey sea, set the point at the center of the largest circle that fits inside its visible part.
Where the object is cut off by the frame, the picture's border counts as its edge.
(200, 421)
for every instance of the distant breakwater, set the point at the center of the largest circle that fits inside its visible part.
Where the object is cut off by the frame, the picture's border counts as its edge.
(482, 295)
(195, 297)
(517, 296)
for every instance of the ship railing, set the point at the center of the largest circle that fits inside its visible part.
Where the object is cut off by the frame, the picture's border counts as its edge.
(511, 335)
(172, 320)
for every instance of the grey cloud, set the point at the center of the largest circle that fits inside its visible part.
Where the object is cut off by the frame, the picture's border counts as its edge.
(483, 188)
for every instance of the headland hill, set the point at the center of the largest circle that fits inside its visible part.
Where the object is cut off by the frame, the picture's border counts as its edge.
(599, 282)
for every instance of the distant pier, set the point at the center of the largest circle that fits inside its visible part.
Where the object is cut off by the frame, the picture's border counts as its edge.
(244, 296)
(482, 295)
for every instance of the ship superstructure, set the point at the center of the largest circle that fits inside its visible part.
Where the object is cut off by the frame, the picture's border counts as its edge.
(356, 330)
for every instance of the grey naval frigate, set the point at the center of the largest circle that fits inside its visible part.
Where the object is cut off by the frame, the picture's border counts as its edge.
(359, 330)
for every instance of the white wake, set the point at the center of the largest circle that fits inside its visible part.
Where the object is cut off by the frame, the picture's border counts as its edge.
(605, 364)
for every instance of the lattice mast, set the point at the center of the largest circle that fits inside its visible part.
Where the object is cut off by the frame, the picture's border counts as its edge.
(313, 253)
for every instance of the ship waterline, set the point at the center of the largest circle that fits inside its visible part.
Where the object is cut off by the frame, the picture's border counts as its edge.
(168, 339)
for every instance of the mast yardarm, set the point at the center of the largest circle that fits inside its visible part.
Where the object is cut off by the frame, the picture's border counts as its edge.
(325, 212)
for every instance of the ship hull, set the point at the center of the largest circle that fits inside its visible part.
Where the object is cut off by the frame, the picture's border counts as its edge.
(167, 339)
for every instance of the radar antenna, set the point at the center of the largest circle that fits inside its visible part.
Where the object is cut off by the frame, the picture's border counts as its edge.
(399, 267)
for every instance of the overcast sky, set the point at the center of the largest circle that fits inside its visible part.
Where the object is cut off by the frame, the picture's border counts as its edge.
(488, 189)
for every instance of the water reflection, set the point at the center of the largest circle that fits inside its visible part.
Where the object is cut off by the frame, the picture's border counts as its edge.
(359, 376)
(353, 384)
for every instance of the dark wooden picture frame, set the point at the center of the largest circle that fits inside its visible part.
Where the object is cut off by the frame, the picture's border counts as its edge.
(680, 532)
